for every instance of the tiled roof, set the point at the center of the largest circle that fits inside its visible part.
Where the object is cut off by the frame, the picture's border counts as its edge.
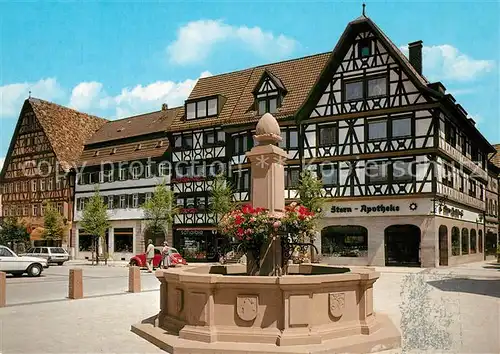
(66, 129)
(297, 76)
(122, 152)
(496, 157)
(143, 124)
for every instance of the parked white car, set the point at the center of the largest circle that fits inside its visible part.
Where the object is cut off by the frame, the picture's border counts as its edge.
(18, 265)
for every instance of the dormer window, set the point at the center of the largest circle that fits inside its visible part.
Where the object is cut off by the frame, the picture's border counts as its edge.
(113, 151)
(268, 94)
(201, 109)
(96, 153)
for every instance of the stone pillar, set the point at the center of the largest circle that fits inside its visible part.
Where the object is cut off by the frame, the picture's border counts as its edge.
(134, 280)
(3, 285)
(268, 185)
(75, 284)
(111, 240)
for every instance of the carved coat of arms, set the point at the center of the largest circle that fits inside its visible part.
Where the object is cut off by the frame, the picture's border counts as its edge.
(246, 307)
(337, 304)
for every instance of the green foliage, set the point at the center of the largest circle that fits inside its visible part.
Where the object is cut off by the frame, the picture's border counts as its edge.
(95, 217)
(52, 223)
(159, 211)
(222, 196)
(12, 231)
(310, 191)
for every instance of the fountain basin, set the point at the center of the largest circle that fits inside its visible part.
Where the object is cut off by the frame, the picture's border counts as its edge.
(313, 309)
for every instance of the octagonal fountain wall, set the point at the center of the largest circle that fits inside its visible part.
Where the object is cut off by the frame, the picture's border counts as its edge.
(307, 308)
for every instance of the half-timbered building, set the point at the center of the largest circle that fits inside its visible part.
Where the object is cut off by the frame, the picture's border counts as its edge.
(492, 212)
(126, 159)
(38, 168)
(404, 169)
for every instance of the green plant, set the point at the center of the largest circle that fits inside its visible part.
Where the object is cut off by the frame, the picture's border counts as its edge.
(160, 210)
(12, 231)
(53, 223)
(95, 221)
(222, 196)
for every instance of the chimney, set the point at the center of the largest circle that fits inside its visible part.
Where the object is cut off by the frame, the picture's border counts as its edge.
(415, 54)
(164, 107)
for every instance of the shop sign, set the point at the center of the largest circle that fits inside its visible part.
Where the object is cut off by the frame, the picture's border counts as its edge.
(451, 211)
(367, 209)
(191, 232)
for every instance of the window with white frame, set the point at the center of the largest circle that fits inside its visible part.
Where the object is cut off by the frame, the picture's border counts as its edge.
(201, 109)
(135, 201)
(148, 173)
(35, 209)
(267, 97)
(136, 172)
(123, 202)
(42, 185)
(163, 169)
(148, 196)
(110, 202)
(122, 174)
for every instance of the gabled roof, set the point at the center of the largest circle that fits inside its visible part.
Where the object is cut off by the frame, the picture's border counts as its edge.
(236, 90)
(65, 128)
(495, 158)
(134, 126)
(277, 81)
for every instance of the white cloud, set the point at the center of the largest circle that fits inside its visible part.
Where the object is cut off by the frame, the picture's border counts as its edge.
(84, 94)
(196, 39)
(2, 160)
(144, 98)
(445, 62)
(13, 95)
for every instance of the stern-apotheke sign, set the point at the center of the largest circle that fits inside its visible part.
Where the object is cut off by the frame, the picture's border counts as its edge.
(393, 207)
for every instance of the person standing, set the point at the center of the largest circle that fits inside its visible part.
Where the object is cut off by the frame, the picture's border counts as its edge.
(165, 255)
(150, 254)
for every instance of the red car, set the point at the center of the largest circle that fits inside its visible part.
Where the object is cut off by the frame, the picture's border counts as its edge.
(175, 258)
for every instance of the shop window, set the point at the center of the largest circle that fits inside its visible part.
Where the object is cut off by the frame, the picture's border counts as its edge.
(124, 240)
(455, 241)
(344, 241)
(465, 241)
(84, 241)
(473, 241)
(480, 241)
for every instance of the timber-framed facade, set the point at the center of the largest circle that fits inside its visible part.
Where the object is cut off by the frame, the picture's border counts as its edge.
(402, 165)
(40, 162)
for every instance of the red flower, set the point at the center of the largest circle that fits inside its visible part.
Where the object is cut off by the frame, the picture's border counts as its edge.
(238, 220)
(240, 231)
(247, 209)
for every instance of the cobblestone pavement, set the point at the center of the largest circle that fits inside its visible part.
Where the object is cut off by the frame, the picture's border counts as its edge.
(465, 300)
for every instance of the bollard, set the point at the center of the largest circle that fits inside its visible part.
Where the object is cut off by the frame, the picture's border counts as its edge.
(3, 281)
(134, 279)
(75, 284)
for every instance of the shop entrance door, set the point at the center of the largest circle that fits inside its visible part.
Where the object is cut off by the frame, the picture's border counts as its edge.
(443, 245)
(402, 246)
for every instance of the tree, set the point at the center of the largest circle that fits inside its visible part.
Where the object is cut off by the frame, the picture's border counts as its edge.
(310, 191)
(222, 196)
(53, 224)
(159, 211)
(310, 196)
(95, 222)
(12, 232)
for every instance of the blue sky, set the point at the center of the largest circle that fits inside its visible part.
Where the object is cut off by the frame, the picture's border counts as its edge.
(115, 59)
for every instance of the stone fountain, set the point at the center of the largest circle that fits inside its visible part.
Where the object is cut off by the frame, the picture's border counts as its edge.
(313, 309)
